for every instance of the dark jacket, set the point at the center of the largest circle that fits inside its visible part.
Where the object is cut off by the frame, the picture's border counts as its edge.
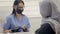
(45, 29)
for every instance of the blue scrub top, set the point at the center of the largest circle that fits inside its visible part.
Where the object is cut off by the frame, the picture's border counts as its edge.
(12, 22)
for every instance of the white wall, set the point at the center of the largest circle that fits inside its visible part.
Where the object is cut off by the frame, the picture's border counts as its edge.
(31, 8)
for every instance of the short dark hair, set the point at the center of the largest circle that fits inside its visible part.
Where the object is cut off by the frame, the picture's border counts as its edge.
(16, 2)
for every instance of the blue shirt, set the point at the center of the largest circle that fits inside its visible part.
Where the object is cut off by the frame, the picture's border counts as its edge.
(12, 22)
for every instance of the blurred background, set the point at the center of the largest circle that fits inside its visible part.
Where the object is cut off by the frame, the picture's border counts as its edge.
(31, 10)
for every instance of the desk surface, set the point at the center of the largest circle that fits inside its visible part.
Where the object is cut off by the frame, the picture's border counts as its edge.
(20, 33)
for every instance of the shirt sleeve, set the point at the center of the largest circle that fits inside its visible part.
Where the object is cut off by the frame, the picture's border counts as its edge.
(28, 23)
(7, 24)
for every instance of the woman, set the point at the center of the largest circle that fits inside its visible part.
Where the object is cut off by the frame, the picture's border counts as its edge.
(17, 22)
(51, 18)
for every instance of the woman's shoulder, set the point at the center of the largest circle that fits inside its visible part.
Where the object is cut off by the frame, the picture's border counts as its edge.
(25, 16)
(10, 16)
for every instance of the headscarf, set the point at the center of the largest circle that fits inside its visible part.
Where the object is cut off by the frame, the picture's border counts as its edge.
(51, 15)
(49, 9)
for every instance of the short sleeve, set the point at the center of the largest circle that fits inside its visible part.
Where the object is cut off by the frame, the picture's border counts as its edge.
(27, 22)
(7, 23)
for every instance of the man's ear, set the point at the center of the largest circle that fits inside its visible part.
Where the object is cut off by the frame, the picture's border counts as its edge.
(15, 7)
